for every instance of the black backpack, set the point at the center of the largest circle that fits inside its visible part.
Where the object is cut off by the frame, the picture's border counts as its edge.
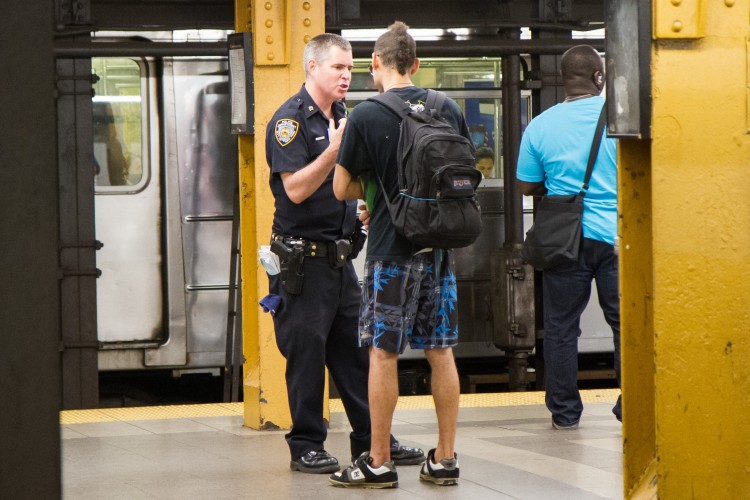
(436, 204)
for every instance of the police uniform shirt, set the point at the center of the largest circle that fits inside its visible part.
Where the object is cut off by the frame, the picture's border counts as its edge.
(296, 135)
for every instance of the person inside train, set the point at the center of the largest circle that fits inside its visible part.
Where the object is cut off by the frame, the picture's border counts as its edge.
(316, 295)
(486, 162)
(409, 294)
(108, 150)
(552, 160)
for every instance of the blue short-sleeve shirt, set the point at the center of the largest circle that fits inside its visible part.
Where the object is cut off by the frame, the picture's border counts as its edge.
(555, 149)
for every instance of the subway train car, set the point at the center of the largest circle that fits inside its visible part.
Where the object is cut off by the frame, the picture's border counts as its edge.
(165, 180)
(164, 206)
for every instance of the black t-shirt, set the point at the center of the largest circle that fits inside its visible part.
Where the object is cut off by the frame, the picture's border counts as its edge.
(296, 135)
(370, 145)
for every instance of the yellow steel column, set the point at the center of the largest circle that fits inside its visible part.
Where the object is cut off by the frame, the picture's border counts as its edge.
(685, 196)
(636, 309)
(280, 29)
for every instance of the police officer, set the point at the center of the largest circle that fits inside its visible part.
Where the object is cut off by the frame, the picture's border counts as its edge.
(316, 320)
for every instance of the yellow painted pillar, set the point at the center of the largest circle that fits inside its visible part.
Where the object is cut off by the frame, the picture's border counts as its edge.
(685, 257)
(280, 29)
(636, 309)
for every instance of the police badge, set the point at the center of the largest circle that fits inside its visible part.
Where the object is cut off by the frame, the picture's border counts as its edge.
(286, 131)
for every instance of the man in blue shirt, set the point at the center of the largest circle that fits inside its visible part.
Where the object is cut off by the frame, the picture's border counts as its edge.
(552, 160)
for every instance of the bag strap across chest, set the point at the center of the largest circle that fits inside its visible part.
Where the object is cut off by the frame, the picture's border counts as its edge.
(594, 149)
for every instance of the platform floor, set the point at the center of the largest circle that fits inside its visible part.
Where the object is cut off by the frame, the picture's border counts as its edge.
(507, 450)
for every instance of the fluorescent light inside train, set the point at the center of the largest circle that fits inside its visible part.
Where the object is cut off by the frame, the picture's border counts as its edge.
(116, 98)
(372, 34)
(364, 35)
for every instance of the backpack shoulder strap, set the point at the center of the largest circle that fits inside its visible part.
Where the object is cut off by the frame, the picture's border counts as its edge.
(392, 102)
(397, 106)
(435, 100)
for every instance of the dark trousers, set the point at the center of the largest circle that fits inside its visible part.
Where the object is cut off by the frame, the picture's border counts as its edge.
(315, 329)
(566, 293)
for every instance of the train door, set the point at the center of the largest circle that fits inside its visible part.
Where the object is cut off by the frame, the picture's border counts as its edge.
(127, 206)
(203, 154)
(474, 85)
(166, 231)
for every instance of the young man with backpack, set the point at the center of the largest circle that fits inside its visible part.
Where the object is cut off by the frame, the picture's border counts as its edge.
(409, 295)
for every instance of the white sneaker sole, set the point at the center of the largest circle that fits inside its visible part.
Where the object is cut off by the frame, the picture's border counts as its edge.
(371, 486)
(441, 481)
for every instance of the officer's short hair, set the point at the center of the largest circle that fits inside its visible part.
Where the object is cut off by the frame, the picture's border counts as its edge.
(397, 48)
(317, 48)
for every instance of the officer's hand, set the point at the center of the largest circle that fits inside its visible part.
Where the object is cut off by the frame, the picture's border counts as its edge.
(334, 134)
(364, 216)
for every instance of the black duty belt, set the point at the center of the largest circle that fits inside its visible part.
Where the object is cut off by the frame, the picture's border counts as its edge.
(337, 252)
(315, 249)
(311, 248)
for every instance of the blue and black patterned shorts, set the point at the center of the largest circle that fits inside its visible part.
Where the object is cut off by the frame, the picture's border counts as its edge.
(409, 302)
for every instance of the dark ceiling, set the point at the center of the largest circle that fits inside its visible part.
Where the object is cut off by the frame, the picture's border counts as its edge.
(485, 16)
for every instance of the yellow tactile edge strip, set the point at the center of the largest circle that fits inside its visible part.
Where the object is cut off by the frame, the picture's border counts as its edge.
(230, 409)
(150, 413)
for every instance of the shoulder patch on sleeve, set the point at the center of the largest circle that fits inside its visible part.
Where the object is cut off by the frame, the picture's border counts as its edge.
(285, 131)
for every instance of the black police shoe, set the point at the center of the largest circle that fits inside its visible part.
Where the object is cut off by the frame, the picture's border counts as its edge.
(315, 462)
(404, 455)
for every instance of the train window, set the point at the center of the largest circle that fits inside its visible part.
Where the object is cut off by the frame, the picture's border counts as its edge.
(474, 83)
(119, 125)
(440, 72)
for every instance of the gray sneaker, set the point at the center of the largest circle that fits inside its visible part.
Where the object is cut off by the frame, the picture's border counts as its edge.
(444, 473)
(566, 427)
(360, 474)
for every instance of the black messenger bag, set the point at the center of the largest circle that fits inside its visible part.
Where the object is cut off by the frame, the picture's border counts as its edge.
(555, 237)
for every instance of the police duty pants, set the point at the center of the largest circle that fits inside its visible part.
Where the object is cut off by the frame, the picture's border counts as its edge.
(315, 329)
(566, 293)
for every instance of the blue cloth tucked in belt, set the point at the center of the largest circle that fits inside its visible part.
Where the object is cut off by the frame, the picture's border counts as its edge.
(270, 303)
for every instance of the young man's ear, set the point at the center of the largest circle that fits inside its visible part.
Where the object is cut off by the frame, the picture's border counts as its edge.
(414, 66)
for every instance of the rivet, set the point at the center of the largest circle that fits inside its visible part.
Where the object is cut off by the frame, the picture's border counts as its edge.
(312, 254)
(306, 5)
(269, 39)
(342, 257)
(268, 6)
(729, 3)
(307, 21)
(677, 26)
(270, 56)
(269, 23)
(306, 38)
(676, 2)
